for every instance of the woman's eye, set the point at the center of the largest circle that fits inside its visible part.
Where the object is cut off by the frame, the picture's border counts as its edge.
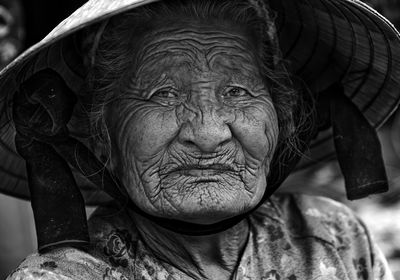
(235, 92)
(166, 93)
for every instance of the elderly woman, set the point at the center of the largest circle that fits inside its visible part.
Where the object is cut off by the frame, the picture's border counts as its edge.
(190, 114)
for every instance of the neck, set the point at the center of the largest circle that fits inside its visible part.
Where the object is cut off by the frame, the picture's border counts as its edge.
(213, 256)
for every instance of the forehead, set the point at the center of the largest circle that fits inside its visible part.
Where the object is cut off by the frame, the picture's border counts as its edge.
(196, 47)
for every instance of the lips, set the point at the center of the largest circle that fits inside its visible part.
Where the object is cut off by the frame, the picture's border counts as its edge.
(202, 170)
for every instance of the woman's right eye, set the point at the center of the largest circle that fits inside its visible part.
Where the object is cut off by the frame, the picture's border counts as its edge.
(165, 94)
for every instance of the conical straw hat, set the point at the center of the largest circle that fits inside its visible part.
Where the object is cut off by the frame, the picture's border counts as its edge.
(324, 42)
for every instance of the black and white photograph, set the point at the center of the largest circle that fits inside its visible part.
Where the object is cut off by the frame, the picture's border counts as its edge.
(199, 139)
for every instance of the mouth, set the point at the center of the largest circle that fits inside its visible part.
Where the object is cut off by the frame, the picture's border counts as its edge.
(203, 171)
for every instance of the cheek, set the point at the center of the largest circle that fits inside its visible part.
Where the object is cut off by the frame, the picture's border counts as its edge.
(256, 128)
(143, 131)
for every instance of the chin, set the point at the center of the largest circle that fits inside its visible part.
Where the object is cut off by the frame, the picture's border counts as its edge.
(213, 210)
(214, 204)
(202, 202)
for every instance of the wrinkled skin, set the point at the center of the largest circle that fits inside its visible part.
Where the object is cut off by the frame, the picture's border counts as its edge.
(194, 133)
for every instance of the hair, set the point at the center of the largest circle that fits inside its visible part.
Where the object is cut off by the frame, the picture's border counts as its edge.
(112, 56)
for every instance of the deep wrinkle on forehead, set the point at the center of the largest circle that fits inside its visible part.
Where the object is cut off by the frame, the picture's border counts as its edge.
(196, 49)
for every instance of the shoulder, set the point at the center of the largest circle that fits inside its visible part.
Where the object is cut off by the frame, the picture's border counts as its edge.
(325, 220)
(114, 236)
(313, 206)
(63, 264)
(325, 233)
(111, 234)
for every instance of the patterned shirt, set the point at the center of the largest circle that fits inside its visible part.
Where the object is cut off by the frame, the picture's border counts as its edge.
(292, 237)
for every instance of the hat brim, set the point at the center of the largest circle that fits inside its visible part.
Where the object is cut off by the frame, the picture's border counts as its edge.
(323, 41)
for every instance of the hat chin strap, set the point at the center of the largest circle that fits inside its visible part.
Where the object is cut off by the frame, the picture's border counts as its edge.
(44, 106)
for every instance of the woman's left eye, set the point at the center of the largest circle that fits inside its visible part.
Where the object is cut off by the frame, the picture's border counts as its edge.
(235, 92)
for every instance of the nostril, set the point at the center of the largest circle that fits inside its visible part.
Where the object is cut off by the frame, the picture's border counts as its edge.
(189, 143)
(206, 144)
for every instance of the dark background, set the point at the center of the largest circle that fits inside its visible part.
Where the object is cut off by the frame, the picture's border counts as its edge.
(41, 16)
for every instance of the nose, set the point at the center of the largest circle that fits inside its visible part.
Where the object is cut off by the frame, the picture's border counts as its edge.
(206, 131)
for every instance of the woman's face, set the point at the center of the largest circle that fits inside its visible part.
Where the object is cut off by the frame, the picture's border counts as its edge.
(194, 133)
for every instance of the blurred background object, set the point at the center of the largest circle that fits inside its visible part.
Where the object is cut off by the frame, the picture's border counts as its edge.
(11, 30)
(41, 16)
(25, 22)
(16, 237)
